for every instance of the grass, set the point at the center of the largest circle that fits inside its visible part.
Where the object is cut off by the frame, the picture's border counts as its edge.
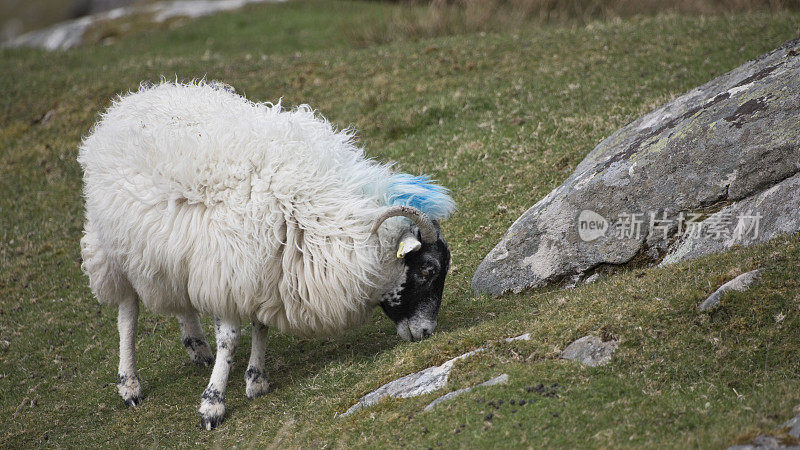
(501, 118)
(447, 17)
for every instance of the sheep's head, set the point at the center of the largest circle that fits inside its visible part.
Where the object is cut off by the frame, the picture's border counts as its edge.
(413, 303)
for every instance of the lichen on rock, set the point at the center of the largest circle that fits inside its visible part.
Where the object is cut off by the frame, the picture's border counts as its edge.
(721, 154)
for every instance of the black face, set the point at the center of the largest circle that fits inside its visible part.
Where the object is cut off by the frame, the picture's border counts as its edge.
(414, 304)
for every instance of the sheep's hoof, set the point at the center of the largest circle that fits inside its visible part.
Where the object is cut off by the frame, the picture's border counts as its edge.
(212, 409)
(256, 381)
(203, 356)
(130, 389)
(211, 415)
(209, 423)
(199, 351)
(133, 401)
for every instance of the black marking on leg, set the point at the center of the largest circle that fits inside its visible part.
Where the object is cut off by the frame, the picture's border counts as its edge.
(212, 396)
(253, 374)
(193, 343)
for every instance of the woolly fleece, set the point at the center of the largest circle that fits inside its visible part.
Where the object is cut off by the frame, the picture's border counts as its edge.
(197, 198)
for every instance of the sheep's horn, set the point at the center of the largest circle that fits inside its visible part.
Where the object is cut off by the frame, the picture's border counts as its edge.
(426, 229)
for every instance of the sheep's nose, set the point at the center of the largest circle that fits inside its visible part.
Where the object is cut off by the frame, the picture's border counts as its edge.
(426, 332)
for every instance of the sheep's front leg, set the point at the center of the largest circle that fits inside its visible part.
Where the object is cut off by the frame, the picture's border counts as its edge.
(212, 402)
(128, 377)
(256, 378)
(194, 339)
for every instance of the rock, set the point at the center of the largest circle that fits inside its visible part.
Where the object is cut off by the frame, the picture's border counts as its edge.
(69, 34)
(716, 167)
(522, 337)
(590, 350)
(61, 36)
(422, 382)
(592, 278)
(491, 382)
(793, 425)
(88, 7)
(764, 442)
(740, 283)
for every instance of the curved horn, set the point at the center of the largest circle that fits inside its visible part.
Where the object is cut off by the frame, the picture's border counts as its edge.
(426, 229)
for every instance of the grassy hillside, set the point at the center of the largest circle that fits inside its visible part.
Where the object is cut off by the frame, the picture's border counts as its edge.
(501, 119)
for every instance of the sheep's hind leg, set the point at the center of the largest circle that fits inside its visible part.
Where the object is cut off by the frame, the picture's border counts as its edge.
(212, 402)
(128, 377)
(256, 378)
(194, 339)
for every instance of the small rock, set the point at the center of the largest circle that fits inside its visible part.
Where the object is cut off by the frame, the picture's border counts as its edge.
(763, 442)
(412, 385)
(523, 337)
(592, 278)
(491, 382)
(794, 426)
(590, 350)
(740, 284)
(69, 34)
(425, 381)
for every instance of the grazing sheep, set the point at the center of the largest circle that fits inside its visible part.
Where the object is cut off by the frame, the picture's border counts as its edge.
(200, 201)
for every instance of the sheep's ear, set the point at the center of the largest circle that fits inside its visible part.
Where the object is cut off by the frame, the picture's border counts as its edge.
(408, 244)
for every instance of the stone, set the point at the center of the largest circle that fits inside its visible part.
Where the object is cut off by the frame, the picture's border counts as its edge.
(89, 7)
(592, 278)
(427, 380)
(740, 284)
(793, 425)
(490, 382)
(61, 36)
(522, 337)
(418, 383)
(717, 167)
(69, 34)
(764, 442)
(590, 350)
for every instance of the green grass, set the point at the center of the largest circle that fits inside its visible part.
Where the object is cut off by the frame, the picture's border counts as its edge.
(501, 119)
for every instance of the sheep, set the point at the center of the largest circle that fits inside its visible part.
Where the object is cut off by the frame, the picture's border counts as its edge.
(199, 201)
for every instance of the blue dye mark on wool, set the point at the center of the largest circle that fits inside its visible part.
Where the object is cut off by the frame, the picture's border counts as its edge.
(422, 193)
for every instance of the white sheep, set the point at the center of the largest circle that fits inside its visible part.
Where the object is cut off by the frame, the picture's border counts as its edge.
(200, 201)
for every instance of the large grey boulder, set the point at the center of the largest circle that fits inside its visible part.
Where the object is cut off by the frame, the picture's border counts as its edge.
(716, 167)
